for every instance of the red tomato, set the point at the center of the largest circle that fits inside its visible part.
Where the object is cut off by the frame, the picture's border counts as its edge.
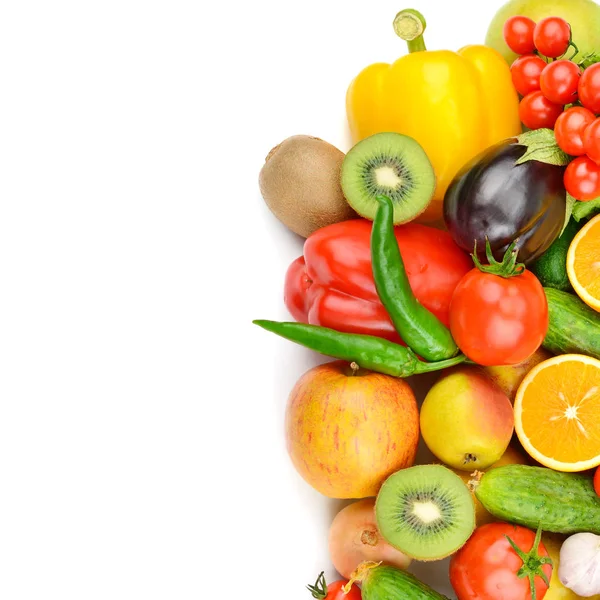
(526, 72)
(536, 111)
(552, 36)
(487, 566)
(518, 34)
(589, 88)
(591, 141)
(597, 481)
(333, 591)
(498, 321)
(569, 129)
(559, 81)
(582, 179)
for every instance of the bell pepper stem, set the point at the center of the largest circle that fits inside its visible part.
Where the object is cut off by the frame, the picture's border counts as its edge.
(409, 25)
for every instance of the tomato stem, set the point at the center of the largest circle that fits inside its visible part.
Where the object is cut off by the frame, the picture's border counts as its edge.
(533, 563)
(409, 24)
(506, 268)
(319, 590)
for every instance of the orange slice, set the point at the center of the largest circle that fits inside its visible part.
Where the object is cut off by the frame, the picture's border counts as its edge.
(557, 412)
(583, 263)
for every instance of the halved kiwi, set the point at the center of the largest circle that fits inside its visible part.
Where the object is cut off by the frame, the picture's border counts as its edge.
(426, 511)
(388, 164)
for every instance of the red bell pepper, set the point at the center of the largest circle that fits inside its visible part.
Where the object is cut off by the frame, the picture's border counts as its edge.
(332, 284)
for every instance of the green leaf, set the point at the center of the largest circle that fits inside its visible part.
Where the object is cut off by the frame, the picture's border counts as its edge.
(568, 212)
(584, 210)
(589, 59)
(541, 146)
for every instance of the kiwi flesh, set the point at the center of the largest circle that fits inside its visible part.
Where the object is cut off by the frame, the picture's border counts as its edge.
(388, 164)
(426, 512)
(300, 183)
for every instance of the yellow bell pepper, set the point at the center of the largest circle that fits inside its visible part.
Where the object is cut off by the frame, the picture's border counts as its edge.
(455, 104)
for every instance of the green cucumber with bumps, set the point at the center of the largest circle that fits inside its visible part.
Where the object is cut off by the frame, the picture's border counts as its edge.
(538, 497)
(574, 328)
(382, 582)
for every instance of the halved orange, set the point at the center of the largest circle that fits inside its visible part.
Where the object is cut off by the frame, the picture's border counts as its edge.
(557, 412)
(583, 263)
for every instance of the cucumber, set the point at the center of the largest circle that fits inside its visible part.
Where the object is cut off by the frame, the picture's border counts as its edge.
(574, 327)
(535, 496)
(381, 582)
(551, 267)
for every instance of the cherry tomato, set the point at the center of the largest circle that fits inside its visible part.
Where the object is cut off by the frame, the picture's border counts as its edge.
(559, 81)
(569, 129)
(597, 481)
(536, 111)
(498, 320)
(321, 591)
(591, 140)
(518, 34)
(552, 36)
(589, 88)
(488, 567)
(582, 179)
(526, 72)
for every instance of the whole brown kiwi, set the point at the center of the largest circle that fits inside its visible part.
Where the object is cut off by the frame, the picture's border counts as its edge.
(300, 182)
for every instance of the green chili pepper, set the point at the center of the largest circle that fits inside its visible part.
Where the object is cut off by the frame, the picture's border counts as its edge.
(367, 351)
(418, 327)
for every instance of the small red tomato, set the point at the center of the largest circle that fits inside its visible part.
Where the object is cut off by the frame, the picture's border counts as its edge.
(501, 561)
(499, 313)
(589, 88)
(591, 141)
(526, 72)
(597, 481)
(334, 591)
(518, 34)
(552, 36)
(559, 81)
(536, 111)
(582, 179)
(569, 128)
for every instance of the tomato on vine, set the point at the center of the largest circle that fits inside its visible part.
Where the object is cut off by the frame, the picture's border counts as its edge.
(537, 112)
(589, 88)
(518, 34)
(334, 591)
(570, 127)
(552, 37)
(526, 72)
(559, 81)
(597, 481)
(591, 140)
(582, 179)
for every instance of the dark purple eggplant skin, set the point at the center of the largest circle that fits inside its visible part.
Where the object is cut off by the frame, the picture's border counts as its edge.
(495, 198)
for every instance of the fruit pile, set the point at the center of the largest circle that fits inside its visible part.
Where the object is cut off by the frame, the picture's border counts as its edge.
(482, 265)
(560, 94)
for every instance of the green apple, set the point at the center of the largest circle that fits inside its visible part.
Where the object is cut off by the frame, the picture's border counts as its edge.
(582, 15)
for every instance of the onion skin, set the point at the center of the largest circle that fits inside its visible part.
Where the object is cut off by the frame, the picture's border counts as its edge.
(354, 538)
(579, 568)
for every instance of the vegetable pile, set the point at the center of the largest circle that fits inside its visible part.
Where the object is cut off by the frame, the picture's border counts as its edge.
(501, 299)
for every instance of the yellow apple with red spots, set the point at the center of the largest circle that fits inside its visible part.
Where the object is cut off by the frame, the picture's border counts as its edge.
(348, 430)
(509, 378)
(467, 420)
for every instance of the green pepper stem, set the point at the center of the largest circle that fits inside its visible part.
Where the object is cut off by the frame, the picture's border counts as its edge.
(423, 367)
(409, 25)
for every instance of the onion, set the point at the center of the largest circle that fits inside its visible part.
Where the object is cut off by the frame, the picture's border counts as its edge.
(579, 568)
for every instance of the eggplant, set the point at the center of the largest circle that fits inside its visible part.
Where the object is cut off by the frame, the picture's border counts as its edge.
(492, 197)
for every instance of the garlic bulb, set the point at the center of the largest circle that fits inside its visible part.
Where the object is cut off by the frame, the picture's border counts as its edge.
(579, 568)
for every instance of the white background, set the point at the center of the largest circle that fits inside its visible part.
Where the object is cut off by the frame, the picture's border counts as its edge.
(141, 447)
